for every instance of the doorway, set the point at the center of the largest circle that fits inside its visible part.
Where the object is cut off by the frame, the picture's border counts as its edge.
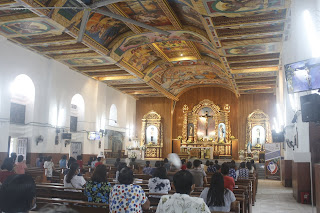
(75, 149)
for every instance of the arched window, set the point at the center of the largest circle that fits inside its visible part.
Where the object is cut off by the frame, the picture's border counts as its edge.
(113, 116)
(22, 100)
(76, 111)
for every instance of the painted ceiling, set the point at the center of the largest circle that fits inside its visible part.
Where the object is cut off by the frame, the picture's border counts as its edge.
(235, 44)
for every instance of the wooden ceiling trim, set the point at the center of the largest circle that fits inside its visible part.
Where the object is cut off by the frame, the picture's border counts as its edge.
(257, 82)
(136, 89)
(120, 86)
(112, 67)
(262, 69)
(43, 39)
(108, 73)
(265, 17)
(229, 32)
(111, 78)
(64, 56)
(253, 40)
(260, 79)
(263, 57)
(143, 92)
(76, 46)
(254, 64)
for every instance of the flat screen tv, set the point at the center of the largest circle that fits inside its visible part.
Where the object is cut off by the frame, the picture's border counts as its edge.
(92, 136)
(303, 75)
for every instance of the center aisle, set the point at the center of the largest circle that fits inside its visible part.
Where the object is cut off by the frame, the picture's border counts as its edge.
(273, 197)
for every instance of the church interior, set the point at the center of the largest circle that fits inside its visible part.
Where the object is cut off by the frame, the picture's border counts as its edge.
(142, 79)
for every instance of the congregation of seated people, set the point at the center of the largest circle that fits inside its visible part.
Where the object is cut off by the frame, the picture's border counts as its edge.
(125, 195)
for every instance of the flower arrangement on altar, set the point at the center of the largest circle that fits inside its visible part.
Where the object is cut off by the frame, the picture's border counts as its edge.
(232, 137)
(179, 137)
(132, 155)
(143, 147)
(129, 148)
(241, 152)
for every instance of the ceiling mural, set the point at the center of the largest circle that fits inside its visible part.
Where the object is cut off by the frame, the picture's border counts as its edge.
(157, 48)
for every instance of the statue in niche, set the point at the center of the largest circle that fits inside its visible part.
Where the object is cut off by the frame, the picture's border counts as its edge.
(152, 135)
(191, 130)
(258, 136)
(222, 132)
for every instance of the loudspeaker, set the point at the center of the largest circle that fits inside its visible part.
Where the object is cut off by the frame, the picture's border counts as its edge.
(310, 105)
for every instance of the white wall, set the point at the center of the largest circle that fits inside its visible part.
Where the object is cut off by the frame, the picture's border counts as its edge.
(297, 48)
(55, 85)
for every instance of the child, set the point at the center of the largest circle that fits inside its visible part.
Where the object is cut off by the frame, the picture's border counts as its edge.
(20, 167)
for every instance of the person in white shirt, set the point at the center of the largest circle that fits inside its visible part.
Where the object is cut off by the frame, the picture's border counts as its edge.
(159, 184)
(72, 180)
(49, 168)
(181, 201)
(217, 197)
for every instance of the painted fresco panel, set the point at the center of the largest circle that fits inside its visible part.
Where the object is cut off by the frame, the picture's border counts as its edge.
(103, 29)
(240, 6)
(10, 15)
(207, 51)
(147, 38)
(174, 49)
(253, 49)
(141, 57)
(33, 26)
(186, 14)
(145, 11)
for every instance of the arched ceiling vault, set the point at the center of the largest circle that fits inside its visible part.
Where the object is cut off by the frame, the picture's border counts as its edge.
(235, 44)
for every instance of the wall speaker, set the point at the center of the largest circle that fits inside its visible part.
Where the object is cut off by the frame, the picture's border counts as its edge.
(310, 105)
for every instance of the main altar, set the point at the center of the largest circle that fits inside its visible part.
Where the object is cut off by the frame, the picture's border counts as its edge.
(206, 131)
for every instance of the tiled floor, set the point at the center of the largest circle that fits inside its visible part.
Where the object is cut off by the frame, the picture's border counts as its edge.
(272, 197)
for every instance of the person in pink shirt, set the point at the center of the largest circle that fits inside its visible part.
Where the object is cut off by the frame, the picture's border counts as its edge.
(20, 167)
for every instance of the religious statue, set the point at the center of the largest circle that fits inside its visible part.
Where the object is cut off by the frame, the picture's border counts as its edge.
(221, 133)
(151, 134)
(206, 120)
(258, 136)
(191, 131)
(249, 147)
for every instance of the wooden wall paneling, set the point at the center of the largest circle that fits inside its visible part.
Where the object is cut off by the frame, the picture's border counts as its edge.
(300, 183)
(317, 185)
(286, 173)
(163, 106)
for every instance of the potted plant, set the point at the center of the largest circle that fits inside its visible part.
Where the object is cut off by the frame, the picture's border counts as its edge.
(241, 154)
(255, 154)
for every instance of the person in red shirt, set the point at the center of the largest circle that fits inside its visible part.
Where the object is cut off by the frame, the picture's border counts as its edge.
(98, 163)
(6, 169)
(80, 162)
(228, 181)
(184, 166)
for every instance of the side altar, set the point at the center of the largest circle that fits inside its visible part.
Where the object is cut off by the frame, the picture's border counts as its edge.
(206, 131)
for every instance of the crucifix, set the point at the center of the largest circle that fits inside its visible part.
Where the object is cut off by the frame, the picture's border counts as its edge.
(206, 118)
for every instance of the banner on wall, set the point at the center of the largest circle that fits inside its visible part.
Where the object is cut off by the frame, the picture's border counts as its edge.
(272, 163)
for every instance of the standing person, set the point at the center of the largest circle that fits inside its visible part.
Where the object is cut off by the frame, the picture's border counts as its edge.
(181, 201)
(63, 162)
(6, 169)
(217, 197)
(39, 161)
(90, 161)
(120, 167)
(249, 167)
(18, 194)
(206, 165)
(73, 180)
(216, 164)
(80, 162)
(228, 181)
(159, 183)
(133, 164)
(199, 175)
(253, 165)
(14, 157)
(93, 162)
(20, 167)
(127, 197)
(116, 164)
(49, 168)
(243, 172)
(189, 165)
(147, 169)
(184, 165)
(98, 162)
(97, 189)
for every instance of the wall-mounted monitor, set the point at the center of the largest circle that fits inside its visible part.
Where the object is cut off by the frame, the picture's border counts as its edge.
(303, 75)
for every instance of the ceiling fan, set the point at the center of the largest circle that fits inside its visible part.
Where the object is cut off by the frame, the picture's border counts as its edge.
(88, 7)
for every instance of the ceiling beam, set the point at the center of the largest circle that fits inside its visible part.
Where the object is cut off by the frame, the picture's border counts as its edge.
(111, 78)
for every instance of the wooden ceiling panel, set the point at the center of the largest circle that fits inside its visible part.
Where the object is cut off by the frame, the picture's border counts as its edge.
(254, 64)
(46, 38)
(99, 68)
(107, 73)
(263, 57)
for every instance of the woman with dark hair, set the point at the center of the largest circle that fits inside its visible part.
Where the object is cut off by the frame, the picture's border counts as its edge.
(232, 170)
(243, 172)
(120, 166)
(97, 189)
(63, 162)
(211, 168)
(181, 201)
(72, 180)
(147, 169)
(6, 169)
(160, 183)
(18, 194)
(126, 197)
(20, 167)
(70, 162)
(217, 197)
